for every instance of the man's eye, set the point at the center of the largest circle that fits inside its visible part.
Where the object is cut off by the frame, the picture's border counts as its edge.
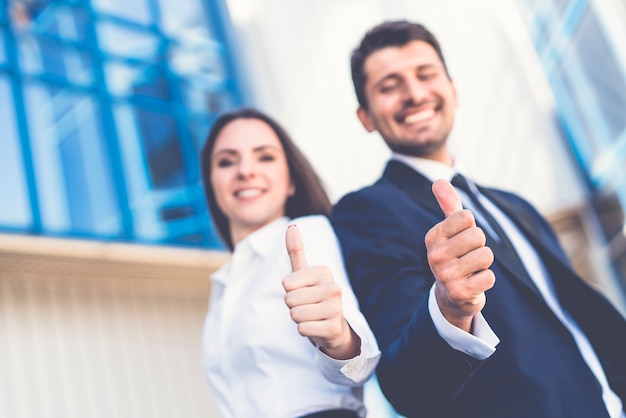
(427, 76)
(388, 88)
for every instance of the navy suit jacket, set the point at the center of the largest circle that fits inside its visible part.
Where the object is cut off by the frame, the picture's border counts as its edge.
(536, 371)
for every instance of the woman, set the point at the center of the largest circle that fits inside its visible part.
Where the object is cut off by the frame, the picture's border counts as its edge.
(275, 346)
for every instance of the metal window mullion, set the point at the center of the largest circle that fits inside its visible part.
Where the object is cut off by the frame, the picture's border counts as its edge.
(111, 138)
(22, 126)
(217, 16)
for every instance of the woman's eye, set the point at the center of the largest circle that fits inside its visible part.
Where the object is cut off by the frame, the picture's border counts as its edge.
(224, 163)
(266, 158)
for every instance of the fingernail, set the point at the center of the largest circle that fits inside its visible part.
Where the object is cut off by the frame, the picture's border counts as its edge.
(290, 225)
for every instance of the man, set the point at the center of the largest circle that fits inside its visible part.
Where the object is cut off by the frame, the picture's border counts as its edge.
(505, 329)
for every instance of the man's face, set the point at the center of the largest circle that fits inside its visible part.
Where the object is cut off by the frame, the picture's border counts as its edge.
(411, 100)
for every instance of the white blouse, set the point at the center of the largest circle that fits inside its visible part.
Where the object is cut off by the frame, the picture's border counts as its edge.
(256, 362)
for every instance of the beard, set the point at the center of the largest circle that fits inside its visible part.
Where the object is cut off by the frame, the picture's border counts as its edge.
(417, 148)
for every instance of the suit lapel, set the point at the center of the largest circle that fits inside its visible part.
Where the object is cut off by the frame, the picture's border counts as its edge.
(413, 184)
(419, 188)
(525, 225)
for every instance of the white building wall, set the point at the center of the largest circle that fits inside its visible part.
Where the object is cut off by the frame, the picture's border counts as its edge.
(101, 330)
(295, 54)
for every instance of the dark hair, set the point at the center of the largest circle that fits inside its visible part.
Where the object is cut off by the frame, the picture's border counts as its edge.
(386, 34)
(309, 198)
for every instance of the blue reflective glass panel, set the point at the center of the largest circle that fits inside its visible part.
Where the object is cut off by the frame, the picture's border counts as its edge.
(130, 79)
(178, 19)
(165, 206)
(129, 42)
(71, 158)
(199, 66)
(3, 54)
(14, 202)
(40, 55)
(55, 18)
(606, 78)
(134, 10)
(162, 148)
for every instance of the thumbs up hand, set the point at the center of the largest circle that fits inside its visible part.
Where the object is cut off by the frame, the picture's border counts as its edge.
(314, 301)
(459, 259)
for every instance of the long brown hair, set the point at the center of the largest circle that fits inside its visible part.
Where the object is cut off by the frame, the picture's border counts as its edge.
(310, 197)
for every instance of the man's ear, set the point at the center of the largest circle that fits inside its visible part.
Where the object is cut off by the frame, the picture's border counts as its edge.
(455, 95)
(366, 120)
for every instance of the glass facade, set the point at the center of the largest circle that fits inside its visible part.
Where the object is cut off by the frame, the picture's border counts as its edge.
(106, 104)
(580, 46)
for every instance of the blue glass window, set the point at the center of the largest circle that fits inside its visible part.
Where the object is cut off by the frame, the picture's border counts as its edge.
(129, 79)
(48, 57)
(71, 162)
(176, 20)
(162, 199)
(14, 203)
(132, 42)
(602, 73)
(3, 54)
(59, 19)
(135, 10)
(118, 97)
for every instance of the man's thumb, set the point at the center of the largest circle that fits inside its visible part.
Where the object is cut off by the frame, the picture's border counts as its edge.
(447, 197)
(295, 248)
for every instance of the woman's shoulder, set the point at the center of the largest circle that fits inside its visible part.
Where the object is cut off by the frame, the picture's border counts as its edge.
(312, 222)
(318, 237)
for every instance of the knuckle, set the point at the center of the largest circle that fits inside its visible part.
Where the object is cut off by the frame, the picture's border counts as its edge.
(490, 278)
(334, 290)
(430, 238)
(286, 283)
(478, 236)
(487, 254)
(437, 255)
(466, 217)
(287, 299)
(453, 293)
(294, 315)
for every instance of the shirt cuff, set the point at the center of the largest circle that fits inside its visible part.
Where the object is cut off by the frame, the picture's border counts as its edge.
(354, 371)
(480, 345)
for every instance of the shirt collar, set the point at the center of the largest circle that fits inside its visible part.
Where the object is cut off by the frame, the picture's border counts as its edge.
(261, 242)
(432, 170)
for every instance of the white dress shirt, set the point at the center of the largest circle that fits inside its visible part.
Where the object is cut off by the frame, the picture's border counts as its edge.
(483, 342)
(256, 363)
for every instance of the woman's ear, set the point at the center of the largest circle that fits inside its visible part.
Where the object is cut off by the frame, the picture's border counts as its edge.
(292, 188)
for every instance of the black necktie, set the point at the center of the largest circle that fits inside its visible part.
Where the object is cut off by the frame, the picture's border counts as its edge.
(504, 243)
(461, 183)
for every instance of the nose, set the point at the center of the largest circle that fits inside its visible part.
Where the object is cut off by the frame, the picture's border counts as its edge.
(245, 168)
(414, 91)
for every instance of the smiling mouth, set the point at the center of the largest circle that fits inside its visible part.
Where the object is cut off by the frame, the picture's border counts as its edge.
(419, 116)
(248, 193)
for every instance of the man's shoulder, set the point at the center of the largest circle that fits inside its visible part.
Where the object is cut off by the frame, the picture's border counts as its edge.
(375, 191)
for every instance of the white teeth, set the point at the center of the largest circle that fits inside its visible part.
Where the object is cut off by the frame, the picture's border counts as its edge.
(248, 193)
(420, 116)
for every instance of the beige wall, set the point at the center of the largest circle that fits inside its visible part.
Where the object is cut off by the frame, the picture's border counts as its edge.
(102, 330)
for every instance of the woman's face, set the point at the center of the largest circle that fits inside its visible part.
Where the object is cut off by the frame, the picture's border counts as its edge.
(249, 176)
